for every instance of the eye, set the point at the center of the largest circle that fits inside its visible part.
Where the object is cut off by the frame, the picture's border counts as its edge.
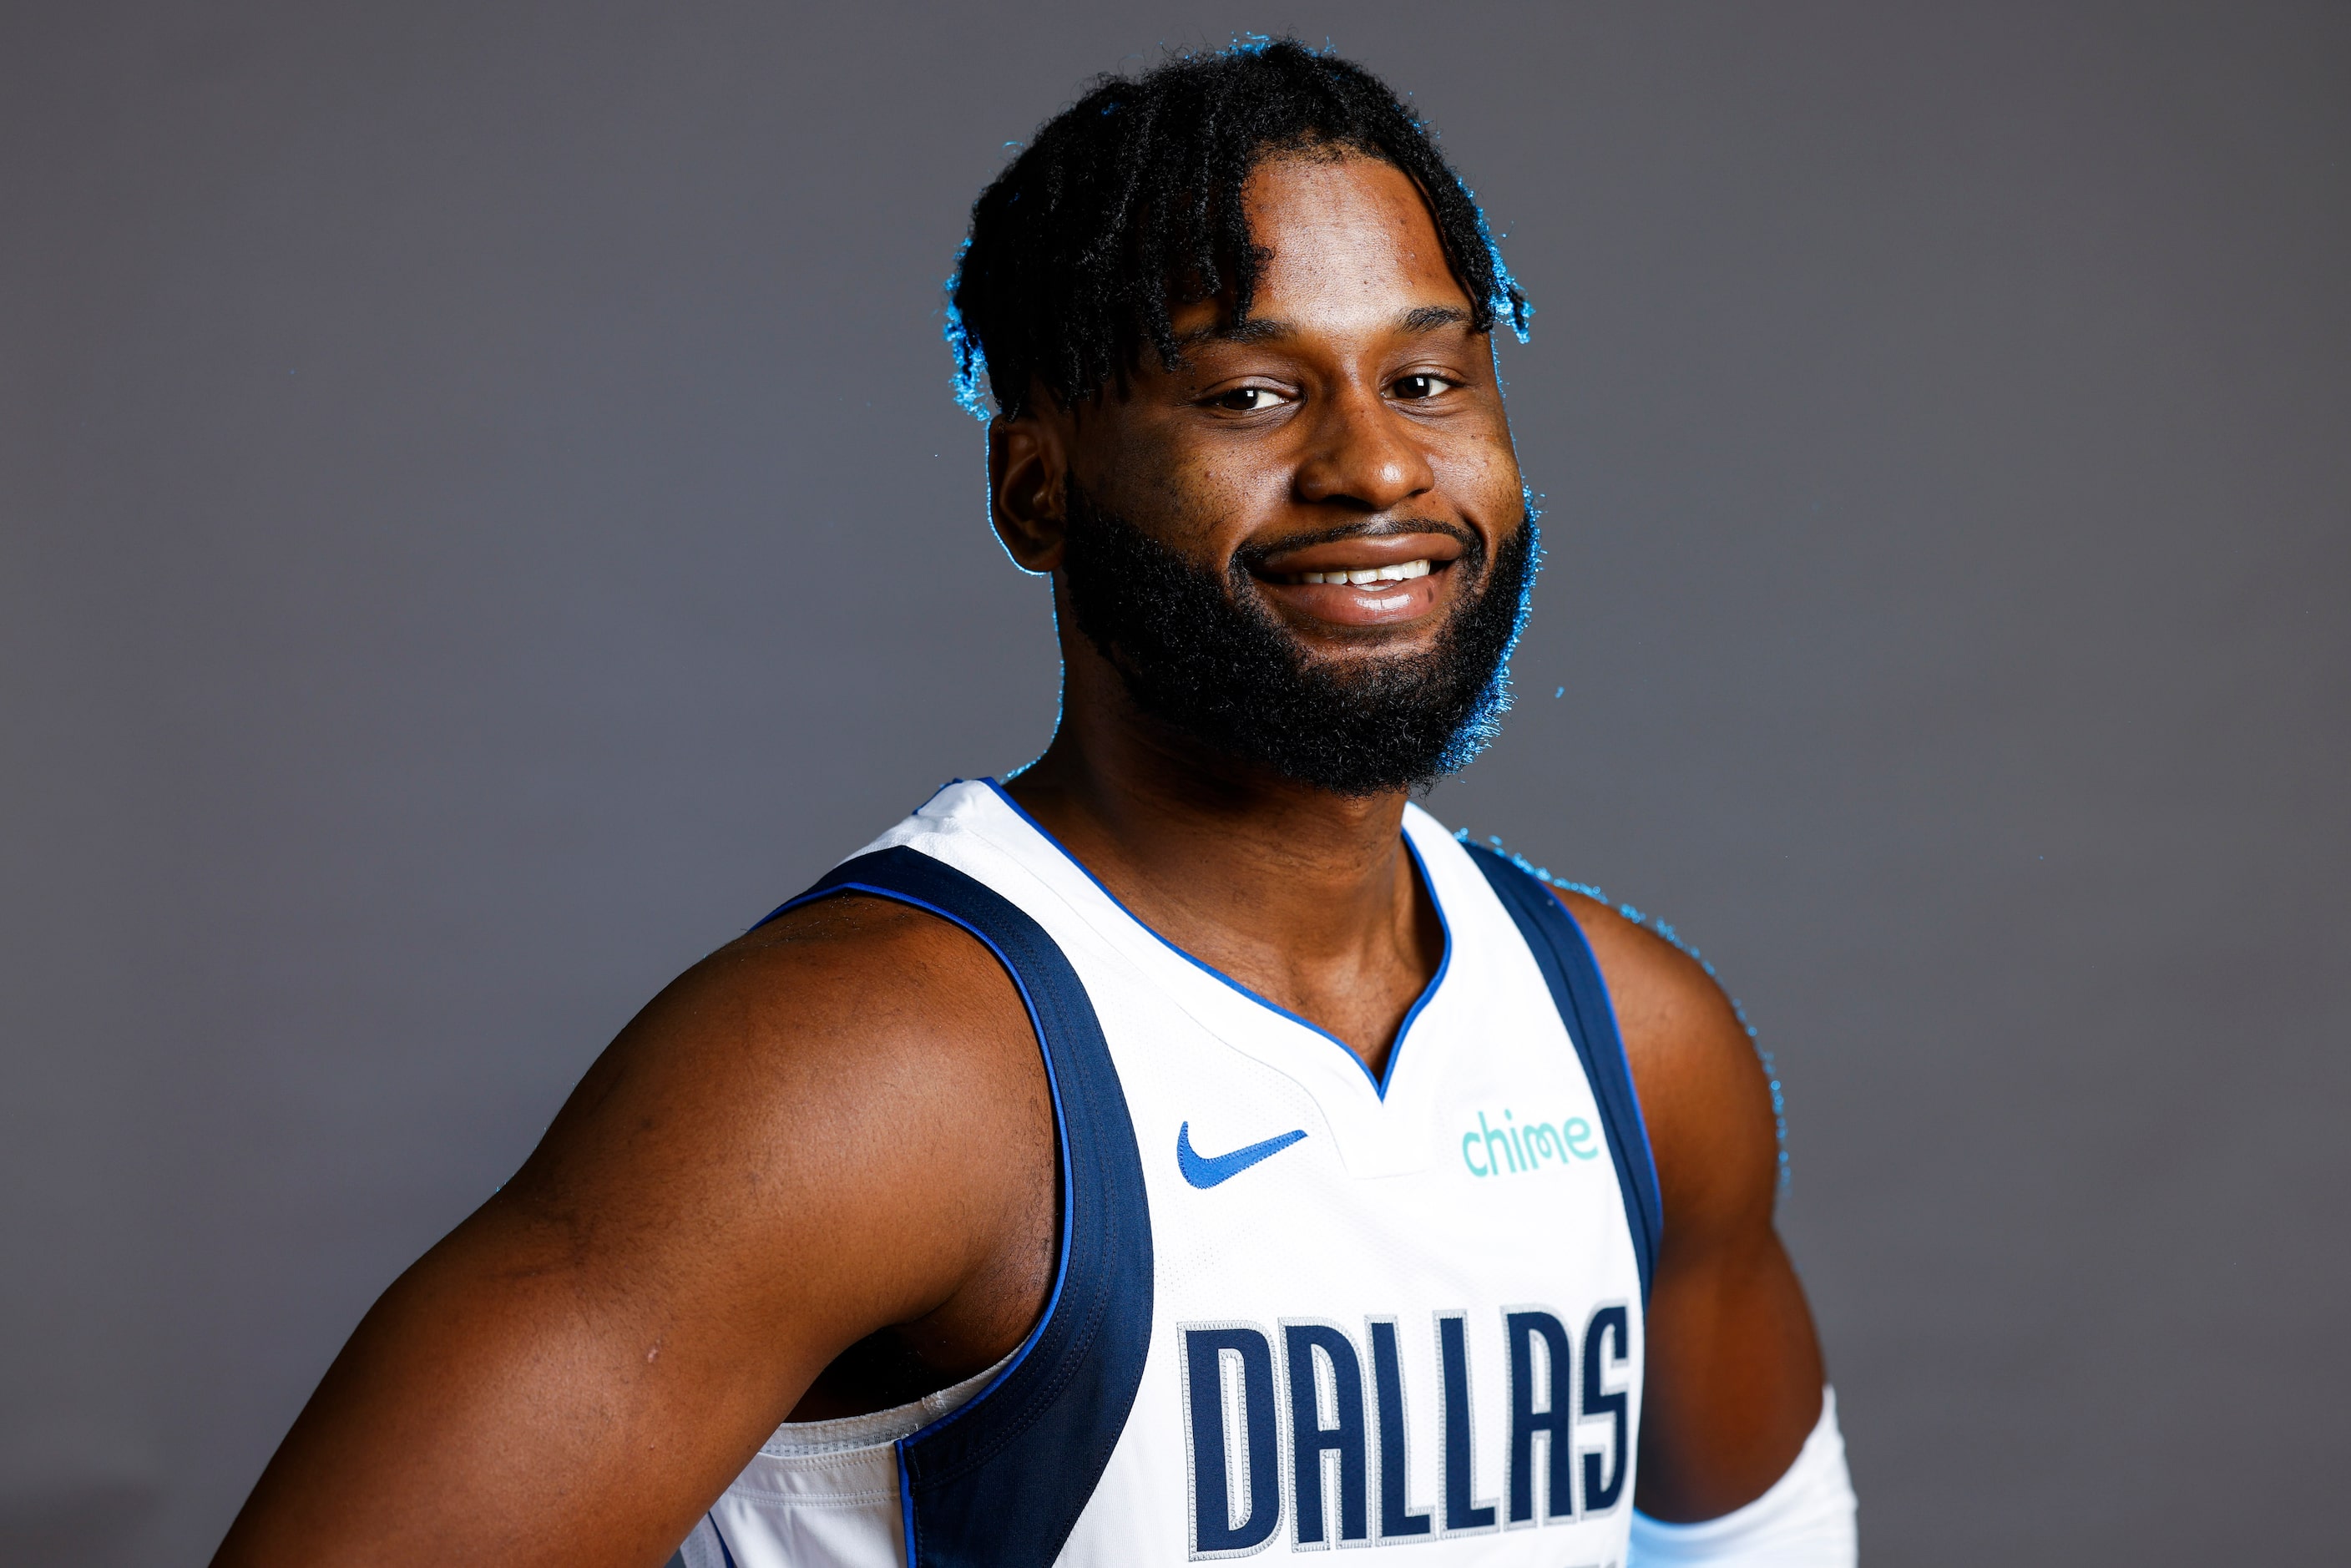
(1246, 400)
(1418, 388)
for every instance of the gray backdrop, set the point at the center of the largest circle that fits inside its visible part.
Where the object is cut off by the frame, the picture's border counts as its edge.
(483, 520)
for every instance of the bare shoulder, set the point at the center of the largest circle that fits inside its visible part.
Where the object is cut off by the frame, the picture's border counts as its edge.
(830, 1131)
(1704, 1096)
(850, 1095)
(852, 992)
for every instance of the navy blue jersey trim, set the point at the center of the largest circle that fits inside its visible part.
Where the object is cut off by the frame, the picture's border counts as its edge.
(1444, 963)
(828, 887)
(1580, 995)
(1000, 1480)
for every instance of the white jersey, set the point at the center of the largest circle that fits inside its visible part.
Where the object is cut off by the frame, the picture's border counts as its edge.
(1297, 1307)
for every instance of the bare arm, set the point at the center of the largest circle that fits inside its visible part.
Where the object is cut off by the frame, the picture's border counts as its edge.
(800, 1143)
(1733, 1380)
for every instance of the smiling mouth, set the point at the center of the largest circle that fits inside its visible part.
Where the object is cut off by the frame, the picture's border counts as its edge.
(1358, 580)
(1401, 572)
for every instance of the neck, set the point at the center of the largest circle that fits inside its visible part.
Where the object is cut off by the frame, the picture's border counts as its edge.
(1306, 897)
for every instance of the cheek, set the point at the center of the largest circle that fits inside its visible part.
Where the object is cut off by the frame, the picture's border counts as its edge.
(1130, 465)
(1225, 493)
(1482, 477)
(1203, 503)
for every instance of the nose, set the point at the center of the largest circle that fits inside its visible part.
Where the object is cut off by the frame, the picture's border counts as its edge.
(1365, 455)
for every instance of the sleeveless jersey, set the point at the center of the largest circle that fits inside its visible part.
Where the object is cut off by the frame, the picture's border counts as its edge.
(1296, 1307)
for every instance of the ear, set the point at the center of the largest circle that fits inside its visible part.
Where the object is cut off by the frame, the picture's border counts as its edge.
(1028, 465)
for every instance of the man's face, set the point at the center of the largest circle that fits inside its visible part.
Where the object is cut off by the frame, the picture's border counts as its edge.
(1316, 519)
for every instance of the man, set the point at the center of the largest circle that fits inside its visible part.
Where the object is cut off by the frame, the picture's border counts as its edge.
(1186, 1148)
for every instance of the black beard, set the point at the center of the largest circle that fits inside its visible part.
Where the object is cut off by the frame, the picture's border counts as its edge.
(1199, 652)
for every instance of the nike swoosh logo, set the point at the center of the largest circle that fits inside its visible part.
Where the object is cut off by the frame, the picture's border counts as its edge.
(1205, 1171)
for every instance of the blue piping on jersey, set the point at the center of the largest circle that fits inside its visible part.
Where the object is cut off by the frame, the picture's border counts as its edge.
(906, 1494)
(1061, 1139)
(723, 1552)
(1444, 963)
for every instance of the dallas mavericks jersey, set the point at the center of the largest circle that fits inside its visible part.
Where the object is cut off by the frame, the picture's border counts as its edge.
(1297, 1308)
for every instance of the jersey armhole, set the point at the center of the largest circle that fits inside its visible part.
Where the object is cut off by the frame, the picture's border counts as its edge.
(1580, 995)
(1002, 1478)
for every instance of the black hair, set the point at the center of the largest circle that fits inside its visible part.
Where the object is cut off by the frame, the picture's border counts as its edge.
(1132, 194)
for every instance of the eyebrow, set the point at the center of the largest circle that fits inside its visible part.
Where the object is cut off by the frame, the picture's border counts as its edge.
(1421, 320)
(1429, 317)
(1256, 329)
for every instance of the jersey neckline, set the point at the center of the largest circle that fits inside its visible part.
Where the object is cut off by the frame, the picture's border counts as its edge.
(1379, 1081)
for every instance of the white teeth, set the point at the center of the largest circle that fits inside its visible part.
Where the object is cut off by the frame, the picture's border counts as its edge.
(1404, 572)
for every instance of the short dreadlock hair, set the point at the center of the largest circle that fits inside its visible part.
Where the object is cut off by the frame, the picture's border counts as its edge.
(1132, 197)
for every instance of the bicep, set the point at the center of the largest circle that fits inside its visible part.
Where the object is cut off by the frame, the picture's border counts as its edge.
(1732, 1381)
(722, 1206)
(1733, 1384)
(504, 1403)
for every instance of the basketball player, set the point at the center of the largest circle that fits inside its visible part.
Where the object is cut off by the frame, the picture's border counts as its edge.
(1186, 1148)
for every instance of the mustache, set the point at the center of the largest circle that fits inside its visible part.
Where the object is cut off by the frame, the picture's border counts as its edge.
(1250, 559)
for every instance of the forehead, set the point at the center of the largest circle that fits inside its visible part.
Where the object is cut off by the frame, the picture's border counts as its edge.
(1351, 240)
